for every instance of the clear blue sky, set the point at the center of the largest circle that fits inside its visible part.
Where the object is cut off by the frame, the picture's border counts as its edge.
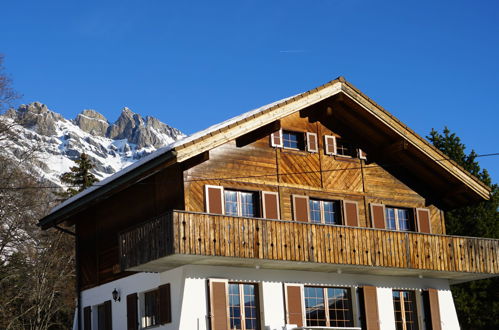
(196, 63)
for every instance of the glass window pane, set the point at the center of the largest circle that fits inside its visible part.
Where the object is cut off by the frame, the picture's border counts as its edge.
(230, 202)
(331, 212)
(340, 307)
(390, 218)
(315, 313)
(247, 204)
(315, 211)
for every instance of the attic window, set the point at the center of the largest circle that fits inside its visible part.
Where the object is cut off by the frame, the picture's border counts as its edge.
(345, 148)
(293, 140)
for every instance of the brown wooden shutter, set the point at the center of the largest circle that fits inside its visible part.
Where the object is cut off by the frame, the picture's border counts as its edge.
(312, 145)
(132, 318)
(378, 216)
(165, 304)
(276, 139)
(434, 309)
(423, 220)
(294, 304)
(371, 308)
(214, 199)
(87, 318)
(270, 205)
(219, 304)
(329, 145)
(300, 208)
(108, 315)
(351, 211)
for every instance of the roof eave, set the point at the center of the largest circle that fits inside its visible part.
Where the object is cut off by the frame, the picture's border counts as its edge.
(81, 203)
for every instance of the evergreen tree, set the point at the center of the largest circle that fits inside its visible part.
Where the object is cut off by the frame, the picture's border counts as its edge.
(477, 302)
(79, 178)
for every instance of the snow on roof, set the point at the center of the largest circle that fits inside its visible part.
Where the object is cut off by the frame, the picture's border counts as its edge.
(164, 150)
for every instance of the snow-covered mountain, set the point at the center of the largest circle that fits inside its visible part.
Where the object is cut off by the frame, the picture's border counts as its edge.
(54, 142)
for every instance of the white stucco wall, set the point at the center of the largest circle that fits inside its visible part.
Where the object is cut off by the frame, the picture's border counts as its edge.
(448, 315)
(190, 298)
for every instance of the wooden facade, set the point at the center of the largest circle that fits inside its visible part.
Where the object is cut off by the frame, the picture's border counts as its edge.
(391, 167)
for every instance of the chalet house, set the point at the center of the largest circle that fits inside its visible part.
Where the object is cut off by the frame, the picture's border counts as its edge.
(319, 211)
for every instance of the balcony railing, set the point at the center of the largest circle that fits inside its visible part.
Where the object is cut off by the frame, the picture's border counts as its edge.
(180, 233)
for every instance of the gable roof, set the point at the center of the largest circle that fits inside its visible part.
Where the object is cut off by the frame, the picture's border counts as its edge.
(233, 128)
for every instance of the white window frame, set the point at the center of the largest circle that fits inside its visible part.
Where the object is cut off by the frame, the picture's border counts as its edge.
(239, 204)
(417, 302)
(241, 302)
(307, 142)
(272, 143)
(321, 205)
(397, 225)
(326, 148)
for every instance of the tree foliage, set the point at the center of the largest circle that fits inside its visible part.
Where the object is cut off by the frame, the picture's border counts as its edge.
(477, 302)
(79, 177)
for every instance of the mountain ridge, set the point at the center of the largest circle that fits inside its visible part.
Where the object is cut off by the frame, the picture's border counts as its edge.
(55, 142)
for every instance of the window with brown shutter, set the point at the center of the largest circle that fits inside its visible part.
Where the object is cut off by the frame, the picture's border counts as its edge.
(214, 199)
(105, 316)
(294, 304)
(270, 205)
(131, 312)
(361, 154)
(312, 145)
(432, 308)
(329, 145)
(219, 304)
(87, 318)
(351, 211)
(371, 312)
(276, 139)
(378, 216)
(423, 220)
(165, 304)
(300, 208)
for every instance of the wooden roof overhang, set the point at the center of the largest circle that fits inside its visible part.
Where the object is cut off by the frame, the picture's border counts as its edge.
(387, 140)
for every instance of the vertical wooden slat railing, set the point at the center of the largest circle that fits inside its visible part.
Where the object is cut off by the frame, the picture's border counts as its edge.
(203, 234)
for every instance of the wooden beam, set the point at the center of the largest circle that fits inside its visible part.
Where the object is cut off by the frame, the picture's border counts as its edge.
(258, 133)
(196, 160)
(395, 147)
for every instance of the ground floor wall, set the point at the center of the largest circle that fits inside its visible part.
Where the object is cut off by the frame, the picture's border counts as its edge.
(191, 300)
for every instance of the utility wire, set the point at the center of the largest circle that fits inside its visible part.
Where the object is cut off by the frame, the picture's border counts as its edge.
(249, 176)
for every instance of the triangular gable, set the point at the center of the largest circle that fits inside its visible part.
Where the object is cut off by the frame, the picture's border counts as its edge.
(233, 128)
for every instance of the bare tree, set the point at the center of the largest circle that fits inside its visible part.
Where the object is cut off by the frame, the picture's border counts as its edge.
(36, 268)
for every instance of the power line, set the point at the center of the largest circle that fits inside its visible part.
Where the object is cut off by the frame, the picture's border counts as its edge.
(248, 176)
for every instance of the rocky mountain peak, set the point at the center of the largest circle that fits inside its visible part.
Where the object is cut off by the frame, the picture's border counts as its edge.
(37, 117)
(92, 122)
(58, 142)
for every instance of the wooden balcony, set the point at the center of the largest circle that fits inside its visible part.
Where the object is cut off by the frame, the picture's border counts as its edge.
(180, 238)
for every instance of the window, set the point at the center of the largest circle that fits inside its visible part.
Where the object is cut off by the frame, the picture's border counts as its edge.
(399, 219)
(325, 211)
(243, 307)
(150, 308)
(404, 305)
(293, 140)
(345, 148)
(328, 307)
(104, 316)
(241, 203)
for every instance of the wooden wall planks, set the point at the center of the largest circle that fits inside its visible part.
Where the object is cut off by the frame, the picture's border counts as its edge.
(258, 167)
(224, 236)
